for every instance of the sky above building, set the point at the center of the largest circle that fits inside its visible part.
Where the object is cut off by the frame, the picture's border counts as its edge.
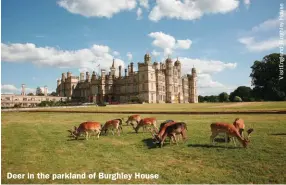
(221, 38)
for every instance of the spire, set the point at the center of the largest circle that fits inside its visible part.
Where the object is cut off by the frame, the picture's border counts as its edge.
(113, 63)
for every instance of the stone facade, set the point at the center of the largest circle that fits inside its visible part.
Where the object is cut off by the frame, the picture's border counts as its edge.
(9, 100)
(152, 83)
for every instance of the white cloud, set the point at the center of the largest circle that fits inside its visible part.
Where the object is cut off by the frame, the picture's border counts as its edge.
(257, 46)
(97, 8)
(184, 44)
(129, 56)
(168, 43)
(246, 3)
(86, 58)
(190, 9)
(267, 25)
(139, 13)
(204, 66)
(155, 53)
(144, 3)
(115, 53)
(12, 89)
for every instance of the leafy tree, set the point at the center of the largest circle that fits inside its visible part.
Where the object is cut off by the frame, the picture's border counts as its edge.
(30, 94)
(201, 98)
(223, 97)
(242, 91)
(237, 99)
(268, 78)
(39, 92)
(54, 94)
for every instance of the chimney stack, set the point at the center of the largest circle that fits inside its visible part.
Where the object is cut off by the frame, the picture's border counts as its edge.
(45, 90)
(87, 76)
(125, 72)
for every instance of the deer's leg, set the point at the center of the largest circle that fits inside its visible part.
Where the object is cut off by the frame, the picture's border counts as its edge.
(174, 136)
(98, 134)
(233, 138)
(163, 139)
(86, 135)
(212, 138)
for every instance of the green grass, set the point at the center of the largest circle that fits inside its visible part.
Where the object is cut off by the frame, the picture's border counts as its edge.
(38, 142)
(205, 107)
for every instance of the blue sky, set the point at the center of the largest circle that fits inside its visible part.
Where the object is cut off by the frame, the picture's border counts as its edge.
(42, 39)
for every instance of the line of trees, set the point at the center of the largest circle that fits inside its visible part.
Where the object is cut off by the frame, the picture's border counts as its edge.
(268, 81)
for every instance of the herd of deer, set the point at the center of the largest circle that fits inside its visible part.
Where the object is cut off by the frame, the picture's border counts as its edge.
(168, 128)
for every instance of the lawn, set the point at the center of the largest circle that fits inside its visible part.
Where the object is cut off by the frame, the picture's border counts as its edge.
(38, 142)
(204, 107)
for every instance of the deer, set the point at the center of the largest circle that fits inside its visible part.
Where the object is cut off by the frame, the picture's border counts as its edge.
(239, 125)
(133, 118)
(229, 130)
(172, 129)
(87, 127)
(113, 124)
(145, 122)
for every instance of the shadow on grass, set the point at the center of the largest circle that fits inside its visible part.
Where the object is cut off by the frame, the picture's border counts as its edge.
(278, 134)
(221, 140)
(149, 143)
(212, 146)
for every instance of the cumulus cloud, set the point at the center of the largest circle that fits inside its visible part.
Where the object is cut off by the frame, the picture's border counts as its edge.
(204, 66)
(129, 56)
(184, 44)
(168, 43)
(155, 53)
(12, 89)
(106, 8)
(257, 46)
(144, 3)
(87, 58)
(246, 3)
(115, 53)
(139, 13)
(190, 9)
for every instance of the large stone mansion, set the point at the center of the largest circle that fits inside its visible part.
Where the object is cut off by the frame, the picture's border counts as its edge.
(152, 83)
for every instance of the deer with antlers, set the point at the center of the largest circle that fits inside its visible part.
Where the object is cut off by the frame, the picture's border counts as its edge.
(87, 127)
(133, 118)
(228, 129)
(146, 122)
(115, 124)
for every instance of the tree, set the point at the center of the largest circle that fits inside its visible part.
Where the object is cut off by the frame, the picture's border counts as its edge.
(30, 94)
(268, 78)
(39, 92)
(54, 94)
(223, 97)
(237, 99)
(242, 91)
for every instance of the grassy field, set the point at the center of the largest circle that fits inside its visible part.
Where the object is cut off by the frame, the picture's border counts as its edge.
(205, 107)
(39, 142)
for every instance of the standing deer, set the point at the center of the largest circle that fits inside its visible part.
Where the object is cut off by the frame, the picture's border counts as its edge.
(229, 130)
(87, 127)
(133, 118)
(171, 130)
(146, 122)
(113, 124)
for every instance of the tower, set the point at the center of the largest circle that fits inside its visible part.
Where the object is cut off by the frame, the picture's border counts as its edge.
(23, 90)
(147, 59)
(112, 69)
(169, 81)
(194, 96)
(45, 90)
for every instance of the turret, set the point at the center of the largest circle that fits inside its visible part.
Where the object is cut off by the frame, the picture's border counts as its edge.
(119, 68)
(45, 90)
(147, 59)
(63, 77)
(178, 66)
(58, 82)
(132, 70)
(112, 69)
(69, 74)
(125, 70)
(169, 80)
(129, 70)
(81, 77)
(87, 76)
(102, 74)
(93, 77)
(23, 93)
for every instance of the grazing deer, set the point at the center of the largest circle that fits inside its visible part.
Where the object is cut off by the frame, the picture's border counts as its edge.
(133, 118)
(229, 130)
(239, 125)
(87, 127)
(113, 124)
(146, 122)
(172, 130)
